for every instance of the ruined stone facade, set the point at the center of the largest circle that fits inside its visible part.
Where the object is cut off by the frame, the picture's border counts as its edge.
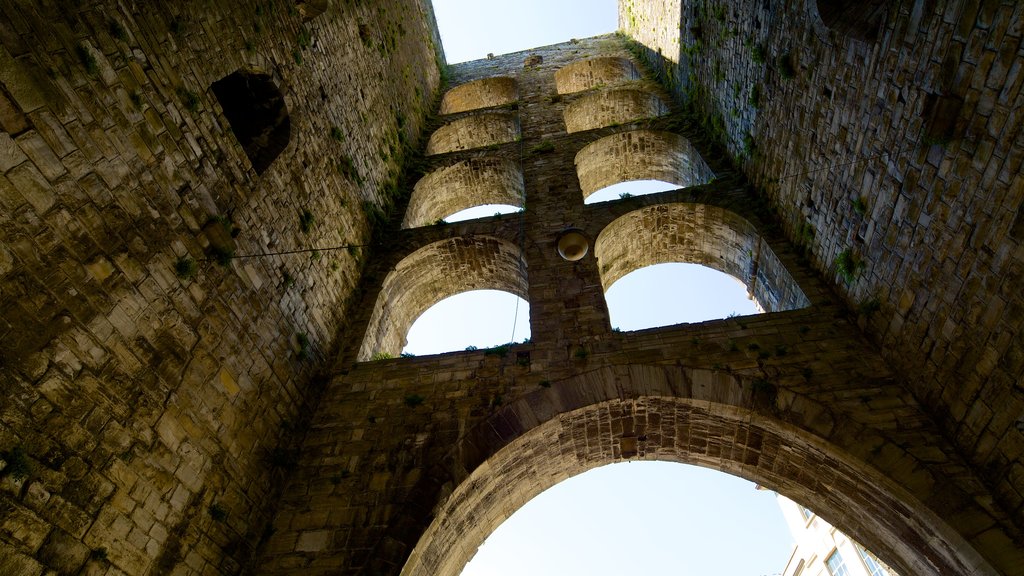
(164, 413)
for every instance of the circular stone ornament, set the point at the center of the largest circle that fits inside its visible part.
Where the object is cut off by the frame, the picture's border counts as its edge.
(573, 245)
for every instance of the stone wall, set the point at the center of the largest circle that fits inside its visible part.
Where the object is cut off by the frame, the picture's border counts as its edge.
(150, 392)
(890, 146)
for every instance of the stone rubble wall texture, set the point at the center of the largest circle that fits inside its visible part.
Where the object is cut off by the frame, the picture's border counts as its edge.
(155, 417)
(409, 463)
(845, 138)
(151, 413)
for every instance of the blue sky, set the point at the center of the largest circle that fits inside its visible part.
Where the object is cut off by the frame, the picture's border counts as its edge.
(628, 518)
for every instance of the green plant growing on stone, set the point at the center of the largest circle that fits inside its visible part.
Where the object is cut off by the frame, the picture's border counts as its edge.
(287, 278)
(87, 59)
(581, 353)
(304, 39)
(414, 400)
(755, 96)
(500, 350)
(757, 53)
(406, 355)
(471, 348)
(542, 148)
(306, 221)
(18, 465)
(860, 206)
(749, 146)
(625, 195)
(217, 512)
(303, 342)
(297, 56)
(347, 168)
(185, 268)
(382, 356)
(337, 134)
(847, 265)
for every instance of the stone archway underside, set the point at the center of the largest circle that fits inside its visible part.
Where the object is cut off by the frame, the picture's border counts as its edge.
(433, 273)
(595, 73)
(610, 107)
(484, 93)
(465, 184)
(697, 234)
(473, 131)
(640, 155)
(720, 436)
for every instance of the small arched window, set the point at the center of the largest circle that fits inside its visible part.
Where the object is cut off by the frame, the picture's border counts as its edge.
(256, 111)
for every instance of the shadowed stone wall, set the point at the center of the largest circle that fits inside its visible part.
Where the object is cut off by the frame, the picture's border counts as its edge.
(149, 394)
(887, 136)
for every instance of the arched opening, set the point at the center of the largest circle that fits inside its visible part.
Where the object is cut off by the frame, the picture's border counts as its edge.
(624, 190)
(675, 293)
(481, 212)
(463, 185)
(595, 73)
(475, 131)
(697, 234)
(686, 517)
(433, 273)
(640, 155)
(513, 457)
(858, 19)
(474, 319)
(484, 93)
(610, 107)
(256, 111)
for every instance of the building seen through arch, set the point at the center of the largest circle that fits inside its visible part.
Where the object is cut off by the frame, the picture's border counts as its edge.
(220, 220)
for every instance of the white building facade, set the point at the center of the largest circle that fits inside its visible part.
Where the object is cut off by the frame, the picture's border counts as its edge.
(822, 550)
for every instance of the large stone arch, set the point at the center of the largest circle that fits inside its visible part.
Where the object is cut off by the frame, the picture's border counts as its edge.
(484, 93)
(595, 73)
(697, 234)
(433, 273)
(640, 155)
(610, 107)
(474, 131)
(708, 418)
(255, 109)
(464, 184)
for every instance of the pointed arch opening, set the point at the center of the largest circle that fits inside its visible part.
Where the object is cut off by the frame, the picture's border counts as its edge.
(463, 185)
(578, 526)
(611, 107)
(640, 155)
(433, 273)
(483, 93)
(595, 73)
(255, 109)
(697, 234)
